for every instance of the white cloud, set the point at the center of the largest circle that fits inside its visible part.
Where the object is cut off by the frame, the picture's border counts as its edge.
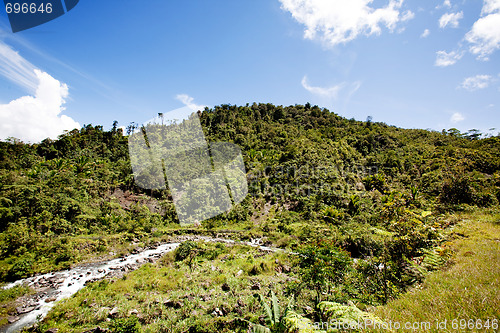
(444, 58)
(450, 19)
(446, 3)
(338, 21)
(476, 82)
(490, 6)
(333, 91)
(457, 117)
(17, 69)
(484, 36)
(408, 15)
(188, 101)
(425, 33)
(34, 118)
(354, 87)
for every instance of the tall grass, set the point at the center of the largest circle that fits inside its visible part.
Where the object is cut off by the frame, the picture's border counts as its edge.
(468, 288)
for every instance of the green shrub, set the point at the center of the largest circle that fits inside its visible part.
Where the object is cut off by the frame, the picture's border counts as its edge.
(260, 268)
(185, 249)
(457, 190)
(332, 215)
(126, 325)
(14, 292)
(322, 266)
(21, 268)
(376, 182)
(211, 251)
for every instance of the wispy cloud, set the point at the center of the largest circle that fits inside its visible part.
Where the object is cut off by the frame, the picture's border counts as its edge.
(476, 82)
(19, 40)
(344, 90)
(450, 19)
(484, 36)
(338, 21)
(444, 58)
(330, 92)
(17, 69)
(445, 4)
(425, 34)
(103, 89)
(457, 117)
(189, 102)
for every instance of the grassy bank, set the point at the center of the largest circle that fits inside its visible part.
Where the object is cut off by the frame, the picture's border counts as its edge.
(207, 287)
(467, 289)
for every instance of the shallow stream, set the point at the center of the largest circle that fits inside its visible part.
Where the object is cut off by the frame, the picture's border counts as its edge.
(53, 287)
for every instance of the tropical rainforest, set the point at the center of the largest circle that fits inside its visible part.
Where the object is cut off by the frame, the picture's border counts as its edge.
(360, 212)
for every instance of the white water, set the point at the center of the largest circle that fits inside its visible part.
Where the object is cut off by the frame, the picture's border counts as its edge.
(73, 280)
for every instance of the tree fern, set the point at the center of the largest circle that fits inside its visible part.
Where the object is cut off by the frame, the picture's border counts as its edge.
(345, 314)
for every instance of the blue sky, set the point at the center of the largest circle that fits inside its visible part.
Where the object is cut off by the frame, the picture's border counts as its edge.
(414, 64)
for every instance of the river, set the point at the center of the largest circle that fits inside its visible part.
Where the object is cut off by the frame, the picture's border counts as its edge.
(53, 287)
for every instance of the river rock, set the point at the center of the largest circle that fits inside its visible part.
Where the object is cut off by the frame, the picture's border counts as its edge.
(217, 312)
(137, 250)
(114, 312)
(12, 319)
(360, 186)
(173, 304)
(23, 310)
(91, 280)
(255, 286)
(48, 286)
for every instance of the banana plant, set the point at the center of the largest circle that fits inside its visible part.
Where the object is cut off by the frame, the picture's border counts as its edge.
(275, 317)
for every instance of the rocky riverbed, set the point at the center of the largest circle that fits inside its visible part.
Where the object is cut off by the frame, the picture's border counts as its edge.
(52, 287)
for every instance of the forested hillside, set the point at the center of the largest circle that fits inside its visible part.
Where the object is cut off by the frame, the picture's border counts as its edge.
(363, 202)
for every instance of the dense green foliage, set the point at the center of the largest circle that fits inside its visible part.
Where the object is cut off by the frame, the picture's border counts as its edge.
(311, 164)
(329, 188)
